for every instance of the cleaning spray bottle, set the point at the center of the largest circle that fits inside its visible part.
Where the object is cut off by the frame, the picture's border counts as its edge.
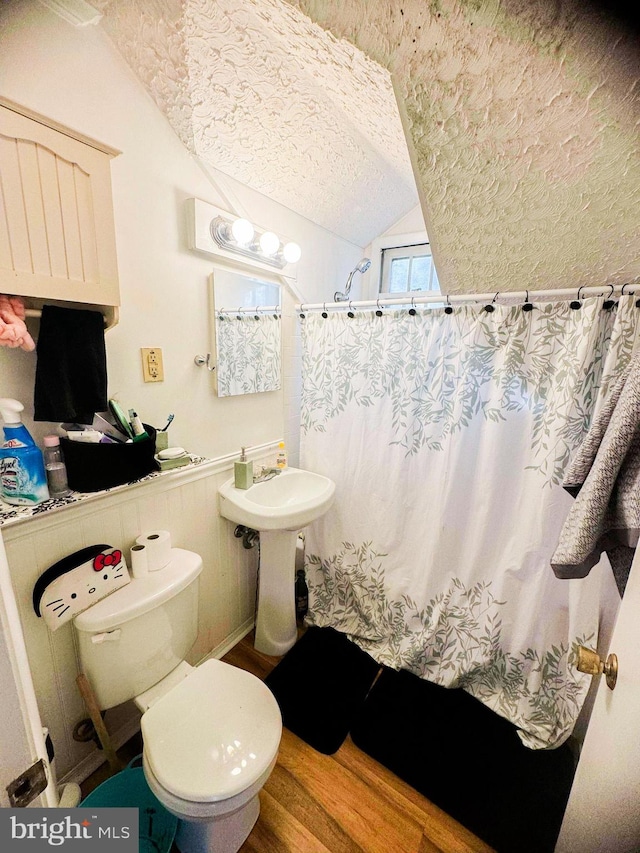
(23, 480)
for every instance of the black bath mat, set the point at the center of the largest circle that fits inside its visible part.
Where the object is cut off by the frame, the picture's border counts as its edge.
(320, 686)
(467, 760)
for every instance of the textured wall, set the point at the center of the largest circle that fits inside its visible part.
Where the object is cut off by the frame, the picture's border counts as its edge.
(257, 90)
(523, 121)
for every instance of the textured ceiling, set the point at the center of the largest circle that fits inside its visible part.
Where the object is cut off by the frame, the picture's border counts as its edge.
(257, 90)
(523, 117)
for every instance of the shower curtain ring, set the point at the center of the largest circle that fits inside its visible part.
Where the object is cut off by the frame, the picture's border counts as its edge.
(449, 307)
(256, 316)
(490, 307)
(608, 303)
(527, 305)
(324, 310)
(378, 309)
(350, 312)
(412, 310)
(576, 304)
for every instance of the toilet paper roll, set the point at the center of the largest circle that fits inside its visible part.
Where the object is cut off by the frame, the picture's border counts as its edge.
(158, 547)
(139, 561)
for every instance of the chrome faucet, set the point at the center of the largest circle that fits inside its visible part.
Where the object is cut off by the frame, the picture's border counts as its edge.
(266, 474)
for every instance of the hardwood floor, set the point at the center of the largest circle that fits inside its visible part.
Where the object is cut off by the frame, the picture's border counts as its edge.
(341, 803)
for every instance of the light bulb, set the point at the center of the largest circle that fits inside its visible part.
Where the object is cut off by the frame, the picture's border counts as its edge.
(292, 253)
(242, 231)
(269, 243)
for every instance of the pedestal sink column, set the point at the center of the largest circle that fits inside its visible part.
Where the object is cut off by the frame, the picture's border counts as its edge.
(276, 630)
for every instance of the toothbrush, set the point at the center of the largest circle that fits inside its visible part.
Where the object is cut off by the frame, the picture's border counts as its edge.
(164, 429)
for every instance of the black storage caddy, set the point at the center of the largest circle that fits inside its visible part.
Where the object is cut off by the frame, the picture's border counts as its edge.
(93, 467)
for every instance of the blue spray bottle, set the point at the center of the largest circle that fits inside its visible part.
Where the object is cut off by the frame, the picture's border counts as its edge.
(23, 480)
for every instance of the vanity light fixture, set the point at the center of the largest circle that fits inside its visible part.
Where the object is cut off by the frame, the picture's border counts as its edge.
(269, 243)
(243, 232)
(292, 253)
(240, 236)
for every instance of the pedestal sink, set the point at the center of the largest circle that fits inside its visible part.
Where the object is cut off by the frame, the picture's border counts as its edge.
(278, 508)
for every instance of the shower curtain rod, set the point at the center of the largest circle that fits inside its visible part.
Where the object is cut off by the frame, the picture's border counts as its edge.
(258, 309)
(525, 295)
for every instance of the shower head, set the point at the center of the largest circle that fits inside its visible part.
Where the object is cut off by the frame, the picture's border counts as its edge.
(362, 266)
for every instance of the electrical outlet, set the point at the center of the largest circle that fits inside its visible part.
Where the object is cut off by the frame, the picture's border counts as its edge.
(152, 369)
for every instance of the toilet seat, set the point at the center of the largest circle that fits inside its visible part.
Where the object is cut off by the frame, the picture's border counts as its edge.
(190, 810)
(213, 735)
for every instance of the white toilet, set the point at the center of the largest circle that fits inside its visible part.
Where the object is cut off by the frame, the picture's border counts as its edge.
(211, 733)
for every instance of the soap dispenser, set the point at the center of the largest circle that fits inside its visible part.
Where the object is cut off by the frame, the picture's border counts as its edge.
(243, 472)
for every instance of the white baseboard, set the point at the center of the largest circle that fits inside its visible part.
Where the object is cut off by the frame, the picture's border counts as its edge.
(232, 640)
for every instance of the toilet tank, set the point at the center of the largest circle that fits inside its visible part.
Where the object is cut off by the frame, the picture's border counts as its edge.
(134, 637)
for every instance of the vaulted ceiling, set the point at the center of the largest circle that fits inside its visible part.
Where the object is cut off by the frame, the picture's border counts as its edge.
(522, 119)
(256, 89)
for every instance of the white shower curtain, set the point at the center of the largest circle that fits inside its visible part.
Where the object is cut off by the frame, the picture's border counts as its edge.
(248, 350)
(447, 436)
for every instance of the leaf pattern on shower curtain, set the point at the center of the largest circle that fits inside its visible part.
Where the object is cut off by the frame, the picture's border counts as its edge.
(443, 371)
(447, 437)
(248, 351)
(454, 640)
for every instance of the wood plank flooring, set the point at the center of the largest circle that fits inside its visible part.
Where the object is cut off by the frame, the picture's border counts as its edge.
(342, 803)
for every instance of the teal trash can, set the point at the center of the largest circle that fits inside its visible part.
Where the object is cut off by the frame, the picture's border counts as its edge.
(129, 789)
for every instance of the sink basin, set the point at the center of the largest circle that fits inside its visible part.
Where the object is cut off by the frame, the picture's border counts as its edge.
(278, 508)
(290, 500)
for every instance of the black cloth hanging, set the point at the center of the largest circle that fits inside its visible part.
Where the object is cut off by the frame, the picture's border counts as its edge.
(71, 372)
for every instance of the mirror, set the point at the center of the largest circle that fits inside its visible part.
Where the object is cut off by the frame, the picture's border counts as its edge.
(247, 312)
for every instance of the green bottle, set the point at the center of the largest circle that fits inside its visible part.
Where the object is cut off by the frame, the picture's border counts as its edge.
(243, 472)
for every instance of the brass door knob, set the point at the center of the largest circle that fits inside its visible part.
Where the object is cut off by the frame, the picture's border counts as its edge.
(591, 663)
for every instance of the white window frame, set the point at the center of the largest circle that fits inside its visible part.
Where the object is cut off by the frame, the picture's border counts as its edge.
(391, 241)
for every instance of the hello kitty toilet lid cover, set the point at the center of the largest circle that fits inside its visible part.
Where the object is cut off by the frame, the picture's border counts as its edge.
(213, 735)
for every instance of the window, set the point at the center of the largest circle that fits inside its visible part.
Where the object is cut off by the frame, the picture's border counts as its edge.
(408, 269)
(401, 264)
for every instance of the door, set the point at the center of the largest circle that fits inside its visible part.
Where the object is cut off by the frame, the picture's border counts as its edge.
(603, 813)
(21, 738)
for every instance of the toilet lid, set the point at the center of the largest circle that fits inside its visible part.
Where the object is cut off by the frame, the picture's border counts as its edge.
(212, 735)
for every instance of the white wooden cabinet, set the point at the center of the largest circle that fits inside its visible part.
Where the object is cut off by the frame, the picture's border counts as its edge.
(57, 236)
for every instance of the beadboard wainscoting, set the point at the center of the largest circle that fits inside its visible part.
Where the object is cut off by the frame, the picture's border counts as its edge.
(186, 504)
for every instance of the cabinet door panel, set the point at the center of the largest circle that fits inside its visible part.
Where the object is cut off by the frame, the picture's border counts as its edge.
(57, 236)
(87, 226)
(33, 206)
(69, 214)
(18, 257)
(48, 167)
